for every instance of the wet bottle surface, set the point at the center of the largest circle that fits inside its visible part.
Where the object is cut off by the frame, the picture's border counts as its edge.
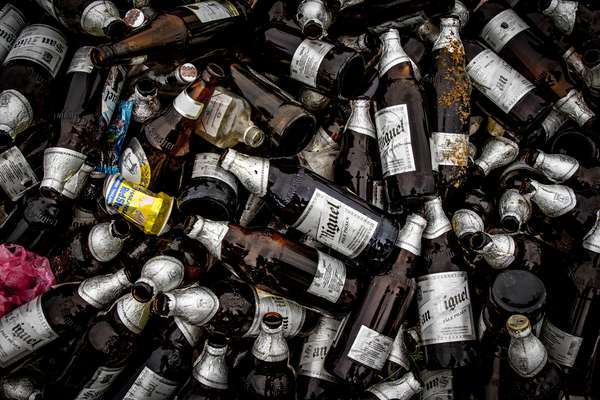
(402, 129)
(357, 166)
(269, 260)
(315, 206)
(365, 340)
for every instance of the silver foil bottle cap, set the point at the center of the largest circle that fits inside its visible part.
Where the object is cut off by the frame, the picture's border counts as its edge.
(409, 237)
(497, 152)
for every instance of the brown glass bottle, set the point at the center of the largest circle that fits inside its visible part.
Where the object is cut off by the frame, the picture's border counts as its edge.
(357, 167)
(86, 16)
(452, 108)
(443, 296)
(519, 105)
(234, 309)
(89, 251)
(62, 312)
(328, 213)
(402, 129)
(158, 150)
(289, 126)
(266, 373)
(167, 366)
(210, 377)
(364, 341)
(511, 37)
(103, 351)
(26, 78)
(186, 32)
(268, 260)
(322, 65)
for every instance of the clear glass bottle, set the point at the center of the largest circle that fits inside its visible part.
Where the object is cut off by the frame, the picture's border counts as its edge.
(226, 121)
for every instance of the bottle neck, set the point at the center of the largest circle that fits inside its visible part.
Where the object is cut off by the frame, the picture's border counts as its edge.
(360, 119)
(552, 200)
(209, 233)
(252, 172)
(465, 221)
(314, 18)
(101, 18)
(591, 240)
(563, 14)
(497, 152)
(101, 291)
(195, 304)
(575, 106)
(527, 355)
(449, 37)
(409, 237)
(211, 368)
(556, 167)
(514, 209)
(102, 242)
(437, 221)
(192, 333)
(392, 52)
(498, 250)
(133, 314)
(159, 274)
(270, 345)
(144, 106)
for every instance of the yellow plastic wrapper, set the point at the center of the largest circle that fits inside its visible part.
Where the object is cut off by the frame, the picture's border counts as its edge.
(149, 211)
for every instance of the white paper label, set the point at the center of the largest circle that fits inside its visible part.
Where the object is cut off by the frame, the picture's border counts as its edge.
(393, 137)
(134, 165)
(307, 60)
(81, 61)
(292, 313)
(329, 279)
(112, 91)
(561, 346)
(449, 149)
(212, 10)
(336, 225)
(502, 28)
(399, 353)
(445, 313)
(11, 23)
(16, 175)
(207, 165)
(151, 386)
(41, 44)
(23, 331)
(370, 348)
(215, 112)
(437, 385)
(315, 348)
(497, 80)
(99, 384)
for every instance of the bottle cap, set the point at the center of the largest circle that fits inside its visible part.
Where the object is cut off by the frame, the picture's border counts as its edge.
(497, 152)
(409, 237)
(186, 73)
(518, 325)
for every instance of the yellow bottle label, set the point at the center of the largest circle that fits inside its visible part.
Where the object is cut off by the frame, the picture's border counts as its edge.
(149, 211)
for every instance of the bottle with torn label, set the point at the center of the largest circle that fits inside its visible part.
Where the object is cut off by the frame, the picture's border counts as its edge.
(91, 17)
(513, 39)
(89, 251)
(327, 213)
(322, 65)
(566, 170)
(210, 376)
(452, 109)
(266, 373)
(443, 296)
(27, 79)
(207, 189)
(402, 129)
(79, 126)
(164, 140)
(268, 260)
(184, 33)
(289, 126)
(61, 313)
(400, 389)
(512, 292)
(570, 213)
(357, 166)
(570, 330)
(364, 340)
(234, 309)
(502, 91)
(226, 121)
(532, 375)
(312, 380)
(166, 367)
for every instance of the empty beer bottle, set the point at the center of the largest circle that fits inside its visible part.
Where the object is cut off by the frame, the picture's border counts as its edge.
(564, 169)
(293, 270)
(402, 128)
(327, 213)
(364, 342)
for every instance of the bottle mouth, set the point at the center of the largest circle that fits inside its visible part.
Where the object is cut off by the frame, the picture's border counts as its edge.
(352, 75)
(478, 240)
(146, 87)
(297, 135)
(213, 73)
(160, 305)
(517, 325)
(217, 341)
(313, 29)
(510, 223)
(142, 292)
(120, 228)
(591, 57)
(272, 320)
(116, 29)
(253, 136)
(100, 56)
(6, 139)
